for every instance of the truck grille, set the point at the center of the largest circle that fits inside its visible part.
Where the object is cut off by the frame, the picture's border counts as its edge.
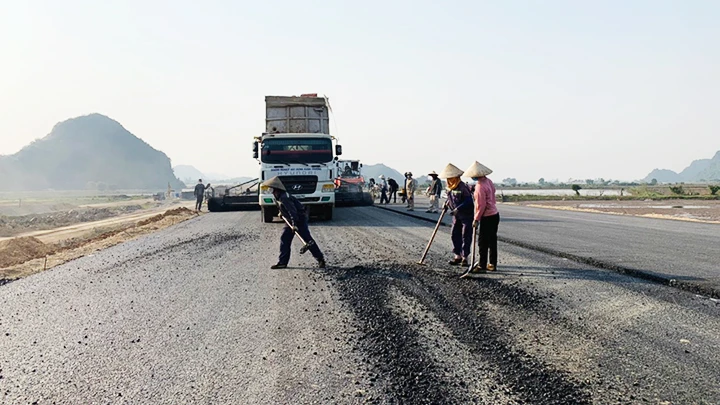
(309, 199)
(300, 184)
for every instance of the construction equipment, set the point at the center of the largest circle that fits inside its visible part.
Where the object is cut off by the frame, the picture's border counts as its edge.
(297, 147)
(432, 237)
(244, 201)
(350, 186)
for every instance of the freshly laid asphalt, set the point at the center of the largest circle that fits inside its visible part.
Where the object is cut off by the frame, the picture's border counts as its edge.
(680, 253)
(193, 314)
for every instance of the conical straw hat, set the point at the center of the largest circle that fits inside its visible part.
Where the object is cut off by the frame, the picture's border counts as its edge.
(275, 182)
(432, 173)
(477, 170)
(450, 171)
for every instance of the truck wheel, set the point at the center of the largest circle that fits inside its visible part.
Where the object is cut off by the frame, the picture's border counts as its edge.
(267, 214)
(328, 213)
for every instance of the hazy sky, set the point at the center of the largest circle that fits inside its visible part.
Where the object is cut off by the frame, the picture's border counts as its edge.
(552, 89)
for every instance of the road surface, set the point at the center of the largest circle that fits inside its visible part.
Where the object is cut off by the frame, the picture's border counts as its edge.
(681, 252)
(193, 314)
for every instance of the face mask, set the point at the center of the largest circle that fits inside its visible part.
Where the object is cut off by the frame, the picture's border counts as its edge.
(453, 183)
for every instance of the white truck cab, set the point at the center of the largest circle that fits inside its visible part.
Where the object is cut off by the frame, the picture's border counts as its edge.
(298, 148)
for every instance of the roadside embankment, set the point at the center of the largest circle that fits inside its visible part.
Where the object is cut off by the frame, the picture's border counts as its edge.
(23, 256)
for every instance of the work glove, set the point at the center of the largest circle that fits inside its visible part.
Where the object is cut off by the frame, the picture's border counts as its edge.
(294, 228)
(454, 212)
(475, 224)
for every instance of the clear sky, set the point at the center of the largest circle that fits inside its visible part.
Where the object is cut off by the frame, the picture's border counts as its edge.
(552, 89)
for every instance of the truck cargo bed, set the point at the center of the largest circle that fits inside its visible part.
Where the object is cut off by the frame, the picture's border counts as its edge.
(295, 115)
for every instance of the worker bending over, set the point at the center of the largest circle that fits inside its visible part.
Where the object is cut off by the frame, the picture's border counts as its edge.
(295, 213)
(460, 203)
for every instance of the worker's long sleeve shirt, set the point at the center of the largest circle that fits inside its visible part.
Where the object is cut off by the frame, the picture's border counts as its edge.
(291, 208)
(485, 205)
(461, 199)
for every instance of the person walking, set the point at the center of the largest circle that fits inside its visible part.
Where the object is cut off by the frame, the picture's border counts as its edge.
(410, 188)
(383, 190)
(199, 194)
(435, 191)
(295, 213)
(486, 215)
(394, 186)
(460, 203)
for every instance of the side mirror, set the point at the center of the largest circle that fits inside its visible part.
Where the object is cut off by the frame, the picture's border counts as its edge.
(255, 155)
(255, 146)
(338, 150)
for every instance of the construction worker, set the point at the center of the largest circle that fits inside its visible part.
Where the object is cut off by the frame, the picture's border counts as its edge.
(435, 191)
(295, 213)
(384, 199)
(199, 194)
(486, 215)
(460, 203)
(410, 188)
(394, 186)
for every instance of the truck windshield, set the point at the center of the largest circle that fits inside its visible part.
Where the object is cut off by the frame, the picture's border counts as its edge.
(297, 150)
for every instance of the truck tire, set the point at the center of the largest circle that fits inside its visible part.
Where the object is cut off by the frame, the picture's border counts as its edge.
(329, 213)
(267, 214)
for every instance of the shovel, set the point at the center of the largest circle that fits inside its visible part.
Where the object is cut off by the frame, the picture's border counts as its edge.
(432, 238)
(306, 245)
(472, 261)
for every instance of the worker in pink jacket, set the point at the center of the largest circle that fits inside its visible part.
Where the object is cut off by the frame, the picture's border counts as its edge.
(486, 215)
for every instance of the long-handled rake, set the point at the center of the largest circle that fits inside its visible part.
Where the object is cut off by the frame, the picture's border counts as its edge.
(306, 245)
(432, 238)
(472, 261)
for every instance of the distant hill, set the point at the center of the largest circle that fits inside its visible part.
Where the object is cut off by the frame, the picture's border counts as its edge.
(663, 176)
(374, 172)
(190, 174)
(88, 152)
(699, 171)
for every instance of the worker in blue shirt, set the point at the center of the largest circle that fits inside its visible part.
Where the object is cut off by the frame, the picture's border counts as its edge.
(462, 208)
(294, 212)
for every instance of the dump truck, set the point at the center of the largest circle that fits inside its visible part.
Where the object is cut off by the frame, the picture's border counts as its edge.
(351, 189)
(298, 148)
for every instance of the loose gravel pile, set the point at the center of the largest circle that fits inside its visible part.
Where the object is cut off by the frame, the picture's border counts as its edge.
(392, 345)
(10, 226)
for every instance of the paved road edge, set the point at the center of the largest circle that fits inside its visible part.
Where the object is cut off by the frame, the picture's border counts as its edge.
(688, 286)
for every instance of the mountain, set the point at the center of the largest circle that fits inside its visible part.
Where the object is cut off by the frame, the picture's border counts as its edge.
(663, 176)
(188, 174)
(699, 171)
(88, 152)
(374, 172)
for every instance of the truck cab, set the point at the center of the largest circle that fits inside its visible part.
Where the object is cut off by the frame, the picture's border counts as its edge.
(299, 149)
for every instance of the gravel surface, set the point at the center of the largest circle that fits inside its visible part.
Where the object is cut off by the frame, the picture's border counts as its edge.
(192, 314)
(679, 253)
